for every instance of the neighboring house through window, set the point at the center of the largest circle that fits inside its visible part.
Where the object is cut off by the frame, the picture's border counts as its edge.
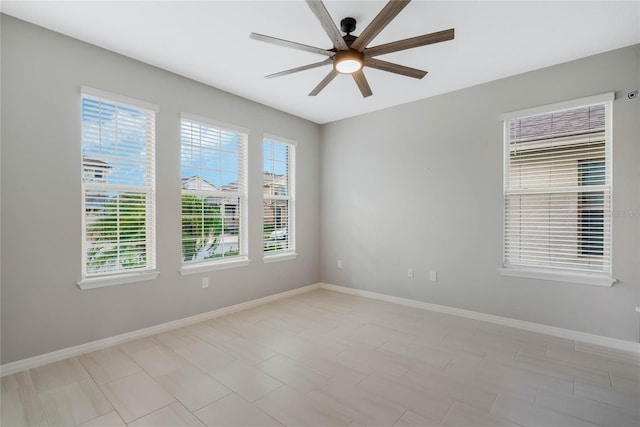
(279, 198)
(118, 186)
(557, 191)
(214, 196)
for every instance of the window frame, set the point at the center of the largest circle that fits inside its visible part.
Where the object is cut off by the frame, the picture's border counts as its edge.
(121, 276)
(291, 252)
(555, 274)
(242, 259)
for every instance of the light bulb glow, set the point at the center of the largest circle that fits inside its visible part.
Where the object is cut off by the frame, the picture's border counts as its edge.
(348, 66)
(348, 61)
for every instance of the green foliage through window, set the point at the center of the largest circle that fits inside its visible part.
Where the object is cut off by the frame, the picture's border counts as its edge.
(201, 228)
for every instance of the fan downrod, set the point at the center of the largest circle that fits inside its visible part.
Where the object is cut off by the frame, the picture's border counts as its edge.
(348, 25)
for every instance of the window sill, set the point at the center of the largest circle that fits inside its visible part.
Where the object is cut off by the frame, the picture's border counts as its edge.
(203, 267)
(583, 279)
(121, 279)
(279, 257)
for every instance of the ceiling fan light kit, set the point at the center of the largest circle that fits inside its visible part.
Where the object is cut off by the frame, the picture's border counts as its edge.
(348, 61)
(350, 54)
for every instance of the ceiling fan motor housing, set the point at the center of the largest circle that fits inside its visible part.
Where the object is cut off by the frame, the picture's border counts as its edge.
(348, 25)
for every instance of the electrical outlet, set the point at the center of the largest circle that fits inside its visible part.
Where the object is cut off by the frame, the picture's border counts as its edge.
(205, 282)
(433, 276)
(410, 273)
(339, 263)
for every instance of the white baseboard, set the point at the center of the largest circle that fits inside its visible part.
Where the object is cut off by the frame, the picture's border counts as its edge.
(505, 321)
(65, 353)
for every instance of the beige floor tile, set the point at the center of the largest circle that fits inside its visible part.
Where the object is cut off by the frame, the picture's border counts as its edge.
(371, 335)
(289, 372)
(562, 369)
(173, 339)
(586, 409)
(418, 353)
(289, 345)
(324, 343)
(232, 410)
(463, 391)
(369, 361)
(356, 403)
(628, 399)
(193, 388)
(461, 415)
(205, 356)
(16, 381)
(247, 381)
(330, 368)
(625, 385)
(157, 361)
(246, 350)
(463, 341)
(525, 413)
(293, 409)
(136, 395)
(528, 338)
(74, 403)
(112, 419)
(627, 369)
(508, 343)
(609, 353)
(173, 415)
(495, 380)
(411, 419)
(428, 368)
(429, 405)
(286, 326)
(520, 377)
(210, 333)
(108, 365)
(58, 374)
(20, 407)
(137, 345)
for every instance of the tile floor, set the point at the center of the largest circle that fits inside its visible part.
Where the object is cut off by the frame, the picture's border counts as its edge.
(328, 359)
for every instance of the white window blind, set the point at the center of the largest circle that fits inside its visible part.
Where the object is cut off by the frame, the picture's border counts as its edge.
(279, 197)
(558, 190)
(118, 187)
(214, 195)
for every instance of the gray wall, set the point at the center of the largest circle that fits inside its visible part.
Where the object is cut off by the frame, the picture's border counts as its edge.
(420, 185)
(42, 308)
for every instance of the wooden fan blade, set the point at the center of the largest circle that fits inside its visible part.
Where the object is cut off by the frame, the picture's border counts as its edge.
(304, 67)
(394, 68)
(318, 8)
(287, 43)
(332, 75)
(362, 83)
(410, 43)
(386, 15)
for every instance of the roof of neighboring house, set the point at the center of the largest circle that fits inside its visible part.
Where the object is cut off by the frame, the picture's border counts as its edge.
(570, 122)
(88, 161)
(197, 183)
(271, 178)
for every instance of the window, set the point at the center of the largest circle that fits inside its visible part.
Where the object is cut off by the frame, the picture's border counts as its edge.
(214, 196)
(557, 190)
(118, 186)
(279, 198)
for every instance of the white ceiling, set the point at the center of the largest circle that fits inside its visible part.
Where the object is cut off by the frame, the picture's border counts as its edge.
(208, 41)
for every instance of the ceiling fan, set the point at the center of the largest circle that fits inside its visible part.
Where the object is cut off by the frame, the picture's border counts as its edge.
(350, 53)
